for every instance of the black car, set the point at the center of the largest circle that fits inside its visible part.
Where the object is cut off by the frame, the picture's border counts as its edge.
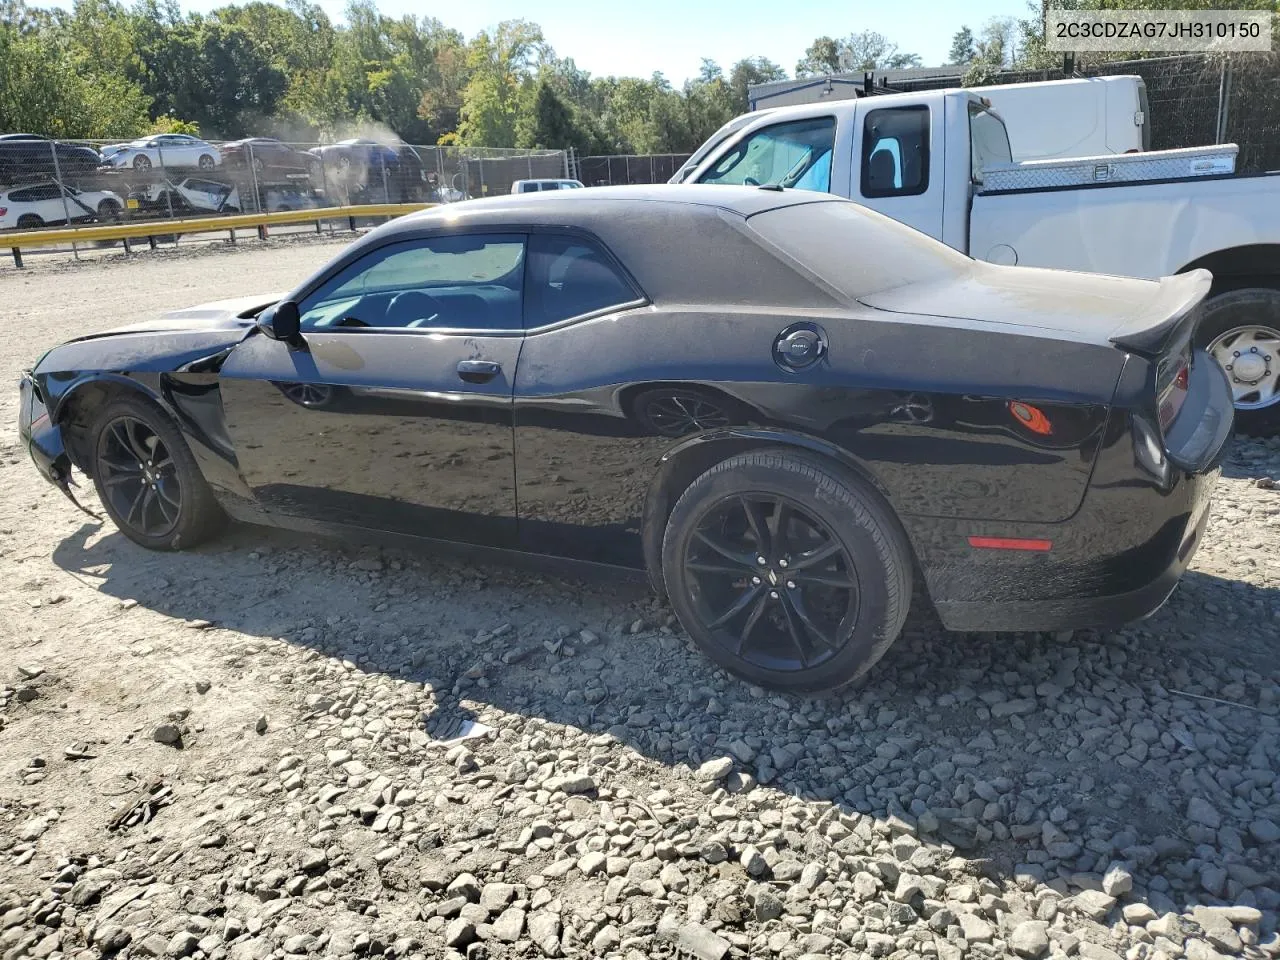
(268, 157)
(785, 408)
(25, 155)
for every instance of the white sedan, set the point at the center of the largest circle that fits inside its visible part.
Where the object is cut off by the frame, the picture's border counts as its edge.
(164, 150)
(42, 204)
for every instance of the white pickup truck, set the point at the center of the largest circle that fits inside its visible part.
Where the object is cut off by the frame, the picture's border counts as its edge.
(925, 159)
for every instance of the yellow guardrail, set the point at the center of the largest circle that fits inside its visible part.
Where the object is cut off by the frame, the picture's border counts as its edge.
(19, 240)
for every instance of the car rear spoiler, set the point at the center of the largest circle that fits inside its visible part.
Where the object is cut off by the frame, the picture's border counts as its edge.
(1150, 332)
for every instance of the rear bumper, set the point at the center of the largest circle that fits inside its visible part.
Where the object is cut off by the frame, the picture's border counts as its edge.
(1099, 610)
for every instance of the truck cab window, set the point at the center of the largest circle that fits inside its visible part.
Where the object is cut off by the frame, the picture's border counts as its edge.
(795, 154)
(895, 152)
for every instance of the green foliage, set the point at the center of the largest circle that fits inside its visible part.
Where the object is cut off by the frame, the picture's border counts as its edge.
(962, 47)
(866, 50)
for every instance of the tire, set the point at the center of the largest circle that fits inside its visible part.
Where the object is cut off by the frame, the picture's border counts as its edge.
(829, 511)
(30, 221)
(142, 162)
(109, 211)
(1247, 321)
(206, 162)
(679, 411)
(181, 508)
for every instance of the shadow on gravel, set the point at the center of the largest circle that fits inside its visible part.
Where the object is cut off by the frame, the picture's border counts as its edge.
(1040, 760)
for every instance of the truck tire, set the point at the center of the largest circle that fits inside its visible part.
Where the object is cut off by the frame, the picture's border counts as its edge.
(1241, 330)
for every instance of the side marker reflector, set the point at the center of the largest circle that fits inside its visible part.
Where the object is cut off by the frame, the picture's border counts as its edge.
(1009, 543)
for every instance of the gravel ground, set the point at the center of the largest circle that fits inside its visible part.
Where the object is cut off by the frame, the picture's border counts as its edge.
(244, 751)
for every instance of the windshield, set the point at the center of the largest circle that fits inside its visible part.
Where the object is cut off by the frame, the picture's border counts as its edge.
(713, 141)
(988, 139)
(856, 250)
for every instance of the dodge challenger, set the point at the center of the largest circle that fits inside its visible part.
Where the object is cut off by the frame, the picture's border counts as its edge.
(794, 414)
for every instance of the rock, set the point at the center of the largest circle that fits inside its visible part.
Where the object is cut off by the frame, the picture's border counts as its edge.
(714, 770)
(1094, 904)
(1117, 880)
(544, 930)
(182, 944)
(168, 734)
(1092, 951)
(606, 940)
(695, 939)
(908, 886)
(865, 885)
(1030, 939)
(313, 860)
(1202, 812)
(1264, 831)
(591, 863)
(459, 932)
(753, 861)
(509, 925)
(767, 905)
(573, 783)
(976, 930)
(260, 726)
(300, 943)
(1138, 914)
(496, 897)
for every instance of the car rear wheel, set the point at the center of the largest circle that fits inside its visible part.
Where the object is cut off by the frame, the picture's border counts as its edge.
(1241, 330)
(147, 479)
(206, 162)
(30, 221)
(786, 571)
(109, 211)
(142, 162)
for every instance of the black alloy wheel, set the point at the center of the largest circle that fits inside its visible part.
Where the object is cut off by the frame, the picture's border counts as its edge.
(771, 582)
(787, 570)
(147, 478)
(139, 477)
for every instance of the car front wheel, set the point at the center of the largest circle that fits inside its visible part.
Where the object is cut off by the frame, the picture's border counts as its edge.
(142, 162)
(786, 571)
(147, 479)
(206, 162)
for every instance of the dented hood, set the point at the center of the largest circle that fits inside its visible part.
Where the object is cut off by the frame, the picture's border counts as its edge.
(234, 314)
(163, 344)
(1082, 307)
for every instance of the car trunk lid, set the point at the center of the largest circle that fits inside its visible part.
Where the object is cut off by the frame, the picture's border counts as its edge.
(1138, 316)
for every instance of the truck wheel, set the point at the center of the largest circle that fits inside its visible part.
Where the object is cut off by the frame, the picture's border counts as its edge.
(787, 572)
(1241, 330)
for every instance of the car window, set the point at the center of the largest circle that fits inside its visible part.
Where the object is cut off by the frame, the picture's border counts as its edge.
(571, 277)
(466, 282)
(895, 152)
(795, 154)
(46, 191)
(21, 196)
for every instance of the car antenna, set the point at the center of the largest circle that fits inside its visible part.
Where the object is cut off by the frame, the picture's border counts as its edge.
(776, 187)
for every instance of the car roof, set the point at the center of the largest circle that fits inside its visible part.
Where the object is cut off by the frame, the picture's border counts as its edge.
(600, 204)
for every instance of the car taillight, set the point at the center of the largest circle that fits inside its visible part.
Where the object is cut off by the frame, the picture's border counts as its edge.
(3, 211)
(1172, 388)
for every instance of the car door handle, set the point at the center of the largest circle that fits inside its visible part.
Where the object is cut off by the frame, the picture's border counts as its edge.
(478, 371)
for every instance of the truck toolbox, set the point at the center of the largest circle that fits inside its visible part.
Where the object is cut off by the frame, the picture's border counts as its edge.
(1217, 160)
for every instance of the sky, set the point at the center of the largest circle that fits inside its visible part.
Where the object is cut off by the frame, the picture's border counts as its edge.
(639, 37)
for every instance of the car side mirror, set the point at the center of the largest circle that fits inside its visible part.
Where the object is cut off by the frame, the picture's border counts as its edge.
(282, 322)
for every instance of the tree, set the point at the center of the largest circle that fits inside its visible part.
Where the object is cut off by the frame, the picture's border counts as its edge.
(962, 47)
(998, 45)
(821, 57)
(748, 72)
(867, 50)
(547, 123)
(499, 63)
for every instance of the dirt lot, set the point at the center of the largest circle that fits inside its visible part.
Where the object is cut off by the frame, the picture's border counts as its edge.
(224, 753)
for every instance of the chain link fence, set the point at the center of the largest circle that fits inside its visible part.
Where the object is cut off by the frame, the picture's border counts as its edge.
(46, 183)
(621, 169)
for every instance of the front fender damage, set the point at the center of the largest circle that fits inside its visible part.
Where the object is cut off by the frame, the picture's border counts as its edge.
(48, 451)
